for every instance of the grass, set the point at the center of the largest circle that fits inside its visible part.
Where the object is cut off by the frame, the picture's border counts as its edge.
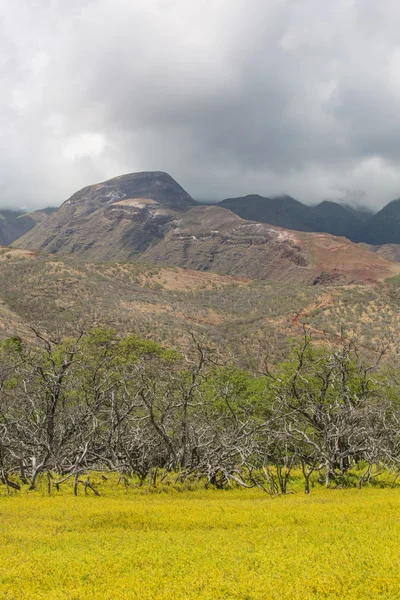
(202, 545)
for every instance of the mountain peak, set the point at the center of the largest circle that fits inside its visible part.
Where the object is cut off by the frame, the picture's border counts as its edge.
(329, 203)
(393, 203)
(149, 217)
(151, 185)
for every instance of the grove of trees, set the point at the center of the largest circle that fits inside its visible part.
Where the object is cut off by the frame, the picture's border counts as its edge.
(99, 402)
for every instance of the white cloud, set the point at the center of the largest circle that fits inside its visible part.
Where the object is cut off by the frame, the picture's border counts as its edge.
(229, 96)
(84, 144)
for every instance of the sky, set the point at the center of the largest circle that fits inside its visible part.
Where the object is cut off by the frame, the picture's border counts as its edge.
(231, 97)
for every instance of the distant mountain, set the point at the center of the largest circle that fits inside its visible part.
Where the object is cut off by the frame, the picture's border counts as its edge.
(282, 211)
(41, 213)
(389, 251)
(289, 213)
(363, 213)
(149, 217)
(335, 219)
(383, 228)
(15, 223)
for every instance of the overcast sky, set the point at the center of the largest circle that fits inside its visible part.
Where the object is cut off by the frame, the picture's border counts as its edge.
(228, 96)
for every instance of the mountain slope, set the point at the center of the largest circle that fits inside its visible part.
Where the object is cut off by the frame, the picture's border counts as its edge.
(210, 240)
(284, 211)
(388, 251)
(363, 213)
(149, 217)
(54, 293)
(383, 228)
(14, 224)
(116, 218)
(335, 219)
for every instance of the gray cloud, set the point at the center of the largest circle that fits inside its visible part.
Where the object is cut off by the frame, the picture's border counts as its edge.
(228, 96)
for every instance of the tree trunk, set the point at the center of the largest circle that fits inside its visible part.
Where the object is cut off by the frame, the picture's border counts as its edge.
(327, 473)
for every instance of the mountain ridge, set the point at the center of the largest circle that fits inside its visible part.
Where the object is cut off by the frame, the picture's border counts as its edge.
(285, 211)
(149, 217)
(383, 228)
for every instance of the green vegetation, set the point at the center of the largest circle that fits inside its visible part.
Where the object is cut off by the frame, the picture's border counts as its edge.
(99, 402)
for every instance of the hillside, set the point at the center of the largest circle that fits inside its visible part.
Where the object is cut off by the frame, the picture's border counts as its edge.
(383, 228)
(241, 316)
(15, 223)
(335, 218)
(284, 211)
(388, 251)
(256, 250)
(150, 218)
(117, 218)
(363, 213)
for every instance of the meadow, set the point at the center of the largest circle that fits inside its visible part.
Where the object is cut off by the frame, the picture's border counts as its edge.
(203, 544)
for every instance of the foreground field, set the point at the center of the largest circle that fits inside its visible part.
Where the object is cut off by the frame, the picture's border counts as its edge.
(232, 544)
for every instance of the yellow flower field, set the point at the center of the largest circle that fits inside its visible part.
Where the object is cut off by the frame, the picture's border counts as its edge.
(203, 544)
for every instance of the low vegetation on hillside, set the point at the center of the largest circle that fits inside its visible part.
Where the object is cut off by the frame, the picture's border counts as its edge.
(243, 317)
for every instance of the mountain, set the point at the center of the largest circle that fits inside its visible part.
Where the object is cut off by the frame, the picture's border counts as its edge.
(389, 251)
(335, 219)
(210, 238)
(149, 217)
(116, 218)
(282, 211)
(14, 223)
(289, 213)
(383, 228)
(363, 213)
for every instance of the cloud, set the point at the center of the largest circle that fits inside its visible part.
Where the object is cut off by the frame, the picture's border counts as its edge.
(229, 96)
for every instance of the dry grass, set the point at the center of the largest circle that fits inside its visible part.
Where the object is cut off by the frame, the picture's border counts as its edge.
(240, 316)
